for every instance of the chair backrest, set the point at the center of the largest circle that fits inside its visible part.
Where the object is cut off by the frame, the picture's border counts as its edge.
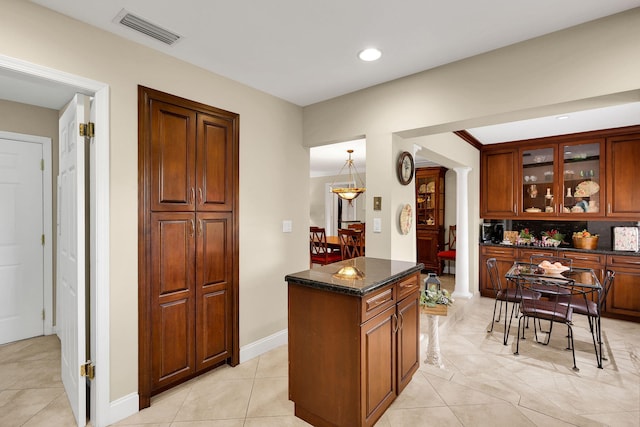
(357, 226)
(494, 275)
(537, 259)
(317, 241)
(606, 286)
(351, 243)
(558, 292)
(451, 244)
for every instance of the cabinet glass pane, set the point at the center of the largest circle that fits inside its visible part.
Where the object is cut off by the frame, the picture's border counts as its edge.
(426, 201)
(538, 180)
(581, 175)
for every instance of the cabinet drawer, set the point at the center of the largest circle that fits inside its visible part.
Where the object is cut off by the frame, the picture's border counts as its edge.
(498, 252)
(614, 261)
(378, 301)
(526, 254)
(407, 286)
(582, 257)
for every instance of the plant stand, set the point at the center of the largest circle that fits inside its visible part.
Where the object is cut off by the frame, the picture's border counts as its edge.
(433, 348)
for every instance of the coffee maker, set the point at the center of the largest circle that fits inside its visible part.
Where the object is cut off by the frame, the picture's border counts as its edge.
(491, 232)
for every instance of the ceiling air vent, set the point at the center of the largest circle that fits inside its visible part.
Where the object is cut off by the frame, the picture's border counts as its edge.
(145, 27)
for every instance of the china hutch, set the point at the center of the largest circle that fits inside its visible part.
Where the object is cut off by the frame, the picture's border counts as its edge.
(429, 215)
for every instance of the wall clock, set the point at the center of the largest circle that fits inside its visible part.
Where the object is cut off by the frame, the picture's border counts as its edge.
(405, 168)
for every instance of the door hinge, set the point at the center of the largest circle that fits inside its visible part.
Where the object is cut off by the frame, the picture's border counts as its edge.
(88, 370)
(87, 129)
(43, 314)
(42, 164)
(43, 240)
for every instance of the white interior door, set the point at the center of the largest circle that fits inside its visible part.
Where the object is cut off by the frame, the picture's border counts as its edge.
(21, 246)
(71, 253)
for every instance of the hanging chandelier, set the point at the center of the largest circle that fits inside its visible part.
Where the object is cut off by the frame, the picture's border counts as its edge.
(352, 190)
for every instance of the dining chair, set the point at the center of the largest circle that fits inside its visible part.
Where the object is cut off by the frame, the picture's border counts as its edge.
(550, 309)
(319, 251)
(351, 243)
(449, 254)
(505, 295)
(361, 227)
(583, 303)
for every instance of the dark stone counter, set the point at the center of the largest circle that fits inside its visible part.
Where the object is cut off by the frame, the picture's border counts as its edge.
(376, 273)
(566, 248)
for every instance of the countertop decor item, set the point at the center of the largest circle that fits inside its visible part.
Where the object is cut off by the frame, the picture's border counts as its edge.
(585, 240)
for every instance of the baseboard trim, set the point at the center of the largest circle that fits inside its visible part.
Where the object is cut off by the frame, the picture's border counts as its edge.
(263, 345)
(123, 407)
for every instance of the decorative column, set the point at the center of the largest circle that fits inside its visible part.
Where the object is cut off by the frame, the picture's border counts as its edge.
(462, 234)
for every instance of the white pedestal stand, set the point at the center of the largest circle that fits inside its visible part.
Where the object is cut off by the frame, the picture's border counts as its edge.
(433, 349)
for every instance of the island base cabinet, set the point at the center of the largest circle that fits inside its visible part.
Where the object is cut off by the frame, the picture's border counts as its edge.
(348, 354)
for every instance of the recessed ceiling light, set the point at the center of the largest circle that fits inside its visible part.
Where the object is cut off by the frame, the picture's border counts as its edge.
(562, 117)
(370, 54)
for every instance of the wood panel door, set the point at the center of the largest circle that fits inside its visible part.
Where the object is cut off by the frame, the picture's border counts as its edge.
(378, 365)
(408, 339)
(173, 157)
(499, 192)
(623, 191)
(214, 276)
(173, 297)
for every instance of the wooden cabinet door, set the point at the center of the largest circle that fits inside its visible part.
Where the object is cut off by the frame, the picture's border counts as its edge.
(215, 162)
(214, 275)
(408, 339)
(172, 297)
(498, 189)
(623, 191)
(427, 247)
(505, 258)
(378, 364)
(173, 157)
(623, 301)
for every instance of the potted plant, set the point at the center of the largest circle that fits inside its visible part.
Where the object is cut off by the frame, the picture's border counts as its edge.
(435, 300)
(525, 237)
(552, 237)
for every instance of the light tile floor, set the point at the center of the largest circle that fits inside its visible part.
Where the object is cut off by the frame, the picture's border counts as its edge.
(482, 383)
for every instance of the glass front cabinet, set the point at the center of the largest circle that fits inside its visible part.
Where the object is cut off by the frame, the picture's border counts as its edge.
(562, 179)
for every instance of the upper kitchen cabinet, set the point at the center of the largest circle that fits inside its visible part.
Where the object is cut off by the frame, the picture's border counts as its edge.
(584, 176)
(582, 172)
(537, 178)
(623, 191)
(499, 187)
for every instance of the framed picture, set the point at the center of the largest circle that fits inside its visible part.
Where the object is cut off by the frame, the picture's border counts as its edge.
(405, 168)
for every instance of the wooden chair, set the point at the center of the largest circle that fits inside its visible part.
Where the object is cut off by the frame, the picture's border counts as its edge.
(449, 254)
(351, 243)
(320, 253)
(361, 228)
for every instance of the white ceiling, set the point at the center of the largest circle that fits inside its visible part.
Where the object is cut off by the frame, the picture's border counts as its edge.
(306, 52)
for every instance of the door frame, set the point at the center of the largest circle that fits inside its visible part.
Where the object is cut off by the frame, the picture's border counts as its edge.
(100, 290)
(47, 215)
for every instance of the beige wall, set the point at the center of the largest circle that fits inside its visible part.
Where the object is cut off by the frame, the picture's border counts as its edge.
(592, 65)
(270, 143)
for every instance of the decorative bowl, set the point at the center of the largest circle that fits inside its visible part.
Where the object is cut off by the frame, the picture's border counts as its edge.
(585, 242)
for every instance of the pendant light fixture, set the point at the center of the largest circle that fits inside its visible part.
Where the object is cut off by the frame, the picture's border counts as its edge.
(352, 190)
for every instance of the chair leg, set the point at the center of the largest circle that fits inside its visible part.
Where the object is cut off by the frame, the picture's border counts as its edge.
(493, 319)
(573, 350)
(517, 352)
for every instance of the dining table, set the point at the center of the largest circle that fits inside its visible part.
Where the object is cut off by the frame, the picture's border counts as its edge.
(333, 242)
(584, 279)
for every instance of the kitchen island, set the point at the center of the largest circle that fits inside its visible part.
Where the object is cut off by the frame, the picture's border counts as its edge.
(353, 339)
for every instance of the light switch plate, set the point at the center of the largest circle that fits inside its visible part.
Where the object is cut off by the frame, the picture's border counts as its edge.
(377, 225)
(377, 203)
(287, 226)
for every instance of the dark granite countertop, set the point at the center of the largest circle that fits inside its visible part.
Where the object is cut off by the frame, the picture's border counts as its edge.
(566, 248)
(377, 273)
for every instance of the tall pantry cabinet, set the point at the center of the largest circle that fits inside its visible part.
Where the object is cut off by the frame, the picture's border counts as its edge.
(188, 296)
